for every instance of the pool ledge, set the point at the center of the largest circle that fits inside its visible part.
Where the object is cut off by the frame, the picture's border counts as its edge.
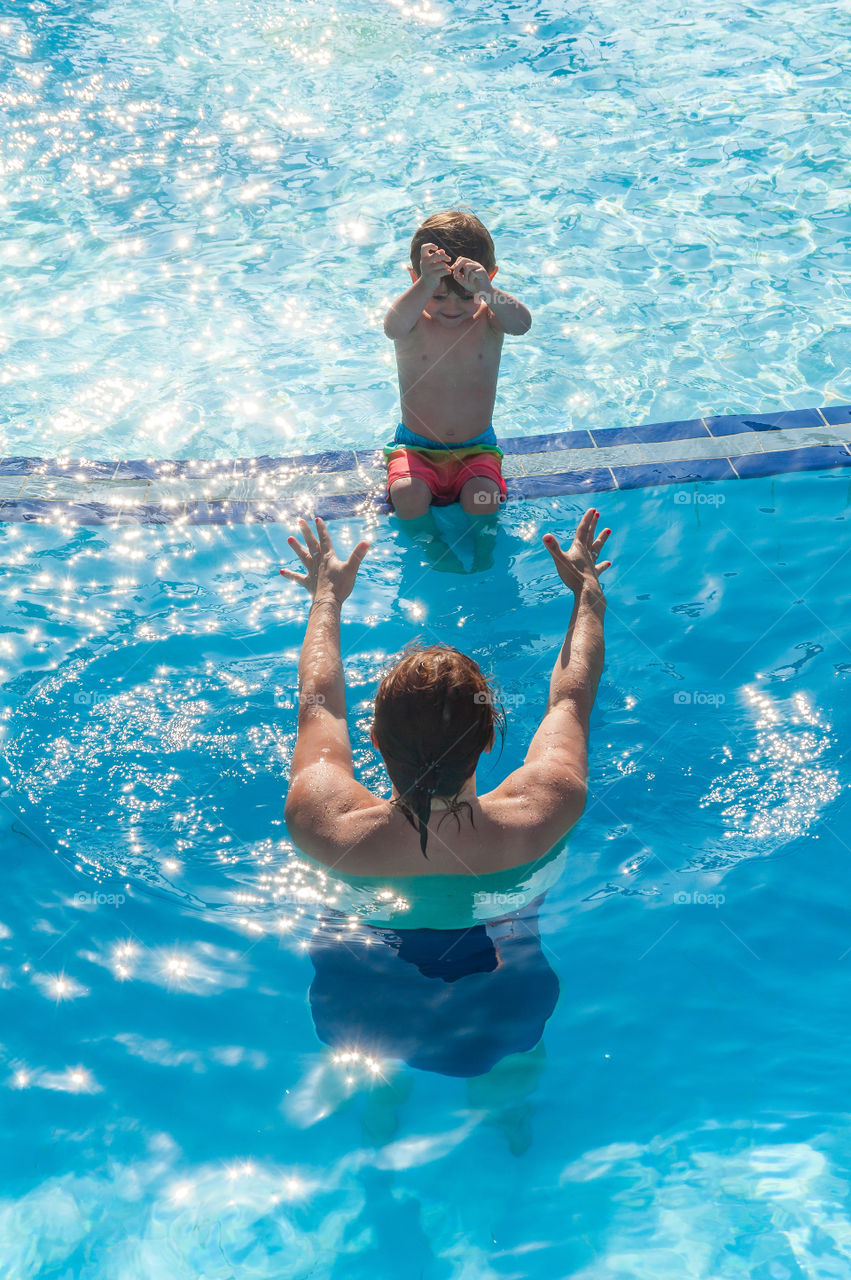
(349, 482)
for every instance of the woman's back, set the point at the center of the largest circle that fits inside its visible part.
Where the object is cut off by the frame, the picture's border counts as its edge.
(494, 833)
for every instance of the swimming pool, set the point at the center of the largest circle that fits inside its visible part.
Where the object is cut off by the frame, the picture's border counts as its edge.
(206, 209)
(169, 1104)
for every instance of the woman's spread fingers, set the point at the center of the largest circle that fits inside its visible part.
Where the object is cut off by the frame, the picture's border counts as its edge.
(303, 554)
(323, 535)
(300, 578)
(584, 527)
(311, 539)
(307, 533)
(358, 554)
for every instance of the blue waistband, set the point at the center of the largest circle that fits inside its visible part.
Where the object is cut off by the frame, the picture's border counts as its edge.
(411, 440)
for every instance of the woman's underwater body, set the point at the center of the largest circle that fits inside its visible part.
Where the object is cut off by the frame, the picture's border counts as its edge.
(448, 972)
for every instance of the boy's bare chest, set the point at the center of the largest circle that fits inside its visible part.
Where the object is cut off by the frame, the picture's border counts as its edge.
(475, 346)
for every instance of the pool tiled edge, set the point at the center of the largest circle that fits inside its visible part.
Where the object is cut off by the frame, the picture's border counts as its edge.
(349, 482)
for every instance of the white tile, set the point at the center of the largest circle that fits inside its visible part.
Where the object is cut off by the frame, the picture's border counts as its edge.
(701, 447)
(538, 464)
(125, 495)
(61, 487)
(803, 437)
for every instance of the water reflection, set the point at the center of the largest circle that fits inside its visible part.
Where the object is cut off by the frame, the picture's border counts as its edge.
(782, 787)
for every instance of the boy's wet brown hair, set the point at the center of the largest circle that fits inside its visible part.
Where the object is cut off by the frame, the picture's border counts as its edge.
(435, 714)
(461, 235)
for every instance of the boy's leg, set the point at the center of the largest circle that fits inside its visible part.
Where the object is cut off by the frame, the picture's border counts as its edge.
(423, 530)
(480, 496)
(410, 497)
(486, 530)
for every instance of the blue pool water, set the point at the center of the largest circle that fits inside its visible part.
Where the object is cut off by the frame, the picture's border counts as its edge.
(169, 1108)
(206, 209)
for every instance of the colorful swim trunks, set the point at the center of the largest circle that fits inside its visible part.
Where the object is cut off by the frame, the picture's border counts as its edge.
(445, 468)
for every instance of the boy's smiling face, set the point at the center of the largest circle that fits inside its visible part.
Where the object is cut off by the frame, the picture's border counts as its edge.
(450, 308)
(450, 304)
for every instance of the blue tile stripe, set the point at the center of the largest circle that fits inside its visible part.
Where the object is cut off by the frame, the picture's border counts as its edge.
(262, 489)
(642, 477)
(748, 465)
(590, 480)
(735, 423)
(650, 432)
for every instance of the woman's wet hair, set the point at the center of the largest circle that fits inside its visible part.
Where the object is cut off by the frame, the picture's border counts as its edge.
(461, 235)
(435, 714)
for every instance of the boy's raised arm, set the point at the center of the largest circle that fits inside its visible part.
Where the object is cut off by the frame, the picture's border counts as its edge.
(406, 310)
(509, 313)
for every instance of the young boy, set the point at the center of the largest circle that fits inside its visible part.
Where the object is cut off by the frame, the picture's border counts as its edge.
(448, 329)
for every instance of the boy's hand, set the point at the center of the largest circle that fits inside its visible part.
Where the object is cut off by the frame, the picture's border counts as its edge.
(578, 565)
(434, 264)
(471, 275)
(326, 573)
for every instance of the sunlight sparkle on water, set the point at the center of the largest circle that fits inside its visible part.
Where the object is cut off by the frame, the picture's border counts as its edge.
(786, 783)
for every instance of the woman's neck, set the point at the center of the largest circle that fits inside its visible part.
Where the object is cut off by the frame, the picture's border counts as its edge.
(467, 795)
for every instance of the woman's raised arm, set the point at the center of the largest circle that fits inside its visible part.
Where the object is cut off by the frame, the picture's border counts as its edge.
(322, 747)
(553, 779)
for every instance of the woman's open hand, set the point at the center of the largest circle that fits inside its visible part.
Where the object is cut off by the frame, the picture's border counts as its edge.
(326, 572)
(578, 565)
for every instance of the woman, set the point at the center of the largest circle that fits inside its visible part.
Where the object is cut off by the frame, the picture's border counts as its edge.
(434, 716)
(453, 1000)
